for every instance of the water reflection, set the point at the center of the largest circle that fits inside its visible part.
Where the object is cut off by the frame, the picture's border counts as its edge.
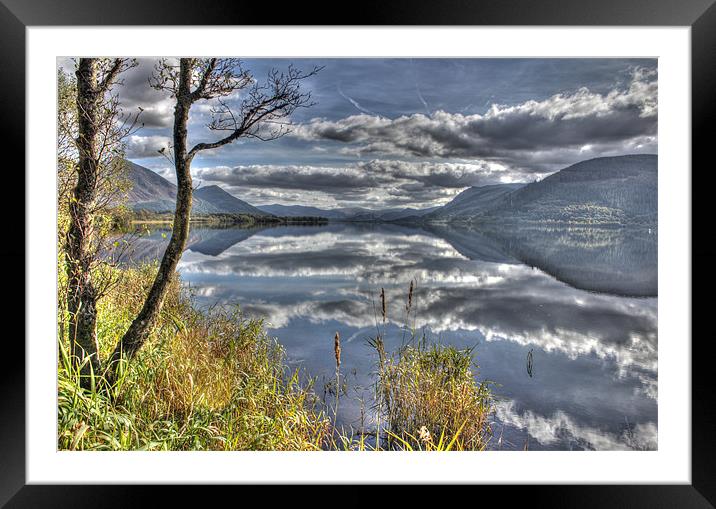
(582, 301)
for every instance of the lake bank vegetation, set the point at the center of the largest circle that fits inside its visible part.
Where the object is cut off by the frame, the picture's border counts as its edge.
(207, 380)
(124, 219)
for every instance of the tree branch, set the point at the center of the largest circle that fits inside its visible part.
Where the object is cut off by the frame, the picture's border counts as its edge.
(198, 93)
(111, 75)
(237, 133)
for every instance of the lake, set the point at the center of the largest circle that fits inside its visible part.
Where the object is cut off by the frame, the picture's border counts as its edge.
(562, 320)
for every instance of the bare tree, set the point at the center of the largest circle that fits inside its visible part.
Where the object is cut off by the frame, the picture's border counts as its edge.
(243, 108)
(91, 134)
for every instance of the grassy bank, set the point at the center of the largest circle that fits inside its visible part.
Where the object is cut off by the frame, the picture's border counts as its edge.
(214, 380)
(206, 381)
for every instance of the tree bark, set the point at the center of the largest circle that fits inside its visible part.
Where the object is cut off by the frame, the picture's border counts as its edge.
(82, 297)
(138, 332)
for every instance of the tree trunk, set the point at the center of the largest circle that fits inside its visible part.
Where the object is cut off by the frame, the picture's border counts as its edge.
(81, 296)
(140, 328)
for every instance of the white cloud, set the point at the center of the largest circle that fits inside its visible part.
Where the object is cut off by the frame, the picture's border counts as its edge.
(530, 133)
(146, 146)
(375, 183)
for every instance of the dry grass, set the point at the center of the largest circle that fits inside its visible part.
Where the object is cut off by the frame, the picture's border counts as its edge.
(206, 381)
(427, 395)
(430, 397)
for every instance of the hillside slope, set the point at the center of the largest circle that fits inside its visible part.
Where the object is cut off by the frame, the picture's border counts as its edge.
(152, 192)
(392, 214)
(300, 211)
(473, 202)
(225, 202)
(606, 190)
(618, 190)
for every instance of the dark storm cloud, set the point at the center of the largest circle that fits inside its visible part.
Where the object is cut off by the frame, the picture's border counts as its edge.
(135, 92)
(291, 177)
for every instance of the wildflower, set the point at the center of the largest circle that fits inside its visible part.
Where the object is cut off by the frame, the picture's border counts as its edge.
(425, 435)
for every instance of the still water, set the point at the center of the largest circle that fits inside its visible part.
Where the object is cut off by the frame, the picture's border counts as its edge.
(580, 303)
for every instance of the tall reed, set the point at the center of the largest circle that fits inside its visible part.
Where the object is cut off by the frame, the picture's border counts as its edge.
(427, 395)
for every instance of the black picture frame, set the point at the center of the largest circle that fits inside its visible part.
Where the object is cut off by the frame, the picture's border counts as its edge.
(700, 15)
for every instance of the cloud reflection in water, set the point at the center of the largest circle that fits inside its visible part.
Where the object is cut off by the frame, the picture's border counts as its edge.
(595, 354)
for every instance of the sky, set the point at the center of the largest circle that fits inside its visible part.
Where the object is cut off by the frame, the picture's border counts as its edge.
(393, 133)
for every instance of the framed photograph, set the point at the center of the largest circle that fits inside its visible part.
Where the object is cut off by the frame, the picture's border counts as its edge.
(444, 244)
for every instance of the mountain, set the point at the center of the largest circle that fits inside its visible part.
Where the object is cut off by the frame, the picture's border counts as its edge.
(345, 214)
(606, 191)
(392, 214)
(149, 191)
(300, 211)
(603, 191)
(224, 202)
(473, 202)
(154, 193)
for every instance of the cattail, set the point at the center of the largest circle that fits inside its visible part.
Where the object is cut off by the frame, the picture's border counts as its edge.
(381, 349)
(382, 302)
(337, 349)
(410, 297)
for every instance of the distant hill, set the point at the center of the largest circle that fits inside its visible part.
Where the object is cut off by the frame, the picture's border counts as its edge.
(225, 202)
(300, 211)
(154, 193)
(603, 191)
(473, 202)
(345, 214)
(149, 191)
(392, 214)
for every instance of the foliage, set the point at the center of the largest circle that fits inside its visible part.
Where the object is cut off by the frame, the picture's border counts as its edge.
(113, 181)
(206, 381)
(430, 399)
(426, 395)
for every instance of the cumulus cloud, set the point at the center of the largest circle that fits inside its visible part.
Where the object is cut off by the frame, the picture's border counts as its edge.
(524, 135)
(146, 146)
(383, 182)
